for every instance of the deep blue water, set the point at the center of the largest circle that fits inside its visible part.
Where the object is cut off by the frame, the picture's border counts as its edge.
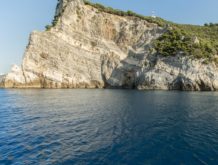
(108, 127)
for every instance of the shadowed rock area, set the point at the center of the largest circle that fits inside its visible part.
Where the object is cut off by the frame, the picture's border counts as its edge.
(92, 49)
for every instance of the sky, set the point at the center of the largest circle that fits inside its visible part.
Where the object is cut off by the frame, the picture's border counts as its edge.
(20, 17)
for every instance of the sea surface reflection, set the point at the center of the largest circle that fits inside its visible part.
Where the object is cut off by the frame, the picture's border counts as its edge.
(114, 127)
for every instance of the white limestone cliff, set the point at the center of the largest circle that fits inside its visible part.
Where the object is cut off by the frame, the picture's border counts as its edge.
(92, 49)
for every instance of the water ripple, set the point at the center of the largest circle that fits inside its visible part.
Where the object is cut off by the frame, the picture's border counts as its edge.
(100, 127)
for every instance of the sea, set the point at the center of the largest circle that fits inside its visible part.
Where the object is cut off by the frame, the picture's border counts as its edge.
(108, 127)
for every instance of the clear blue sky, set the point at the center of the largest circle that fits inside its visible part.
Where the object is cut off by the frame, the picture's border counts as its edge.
(20, 17)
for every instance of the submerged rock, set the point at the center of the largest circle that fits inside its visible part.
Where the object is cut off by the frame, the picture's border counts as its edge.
(88, 48)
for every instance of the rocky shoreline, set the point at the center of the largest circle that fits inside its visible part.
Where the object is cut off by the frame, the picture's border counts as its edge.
(91, 49)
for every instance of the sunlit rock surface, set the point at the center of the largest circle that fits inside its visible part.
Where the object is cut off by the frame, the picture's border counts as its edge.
(92, 49)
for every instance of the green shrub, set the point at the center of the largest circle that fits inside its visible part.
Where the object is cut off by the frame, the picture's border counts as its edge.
(48, 27)
(159, 21)
(56, 18)
(179, 40)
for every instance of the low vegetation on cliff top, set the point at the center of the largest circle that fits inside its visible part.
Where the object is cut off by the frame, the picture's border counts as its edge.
(195, 41)
(192, 40)
(101, 8)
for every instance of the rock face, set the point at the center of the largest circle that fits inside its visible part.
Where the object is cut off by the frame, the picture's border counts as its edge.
(92, 49)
